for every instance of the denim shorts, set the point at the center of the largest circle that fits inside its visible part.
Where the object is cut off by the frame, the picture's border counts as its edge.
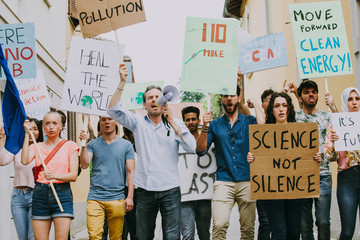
(44, 205)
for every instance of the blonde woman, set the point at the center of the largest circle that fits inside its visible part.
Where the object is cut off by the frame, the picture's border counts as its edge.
(62, 168)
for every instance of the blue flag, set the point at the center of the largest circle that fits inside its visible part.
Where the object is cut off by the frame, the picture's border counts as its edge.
(13, 111)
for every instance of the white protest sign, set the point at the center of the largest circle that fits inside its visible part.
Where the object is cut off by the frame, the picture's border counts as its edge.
(347, 127)
(210, 56)
(197, 175)
(34, 95)
(321, 43)
(92, 76)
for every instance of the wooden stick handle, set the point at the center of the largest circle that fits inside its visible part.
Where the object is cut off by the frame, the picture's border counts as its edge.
(118, 44)
(208, 101)
(86, 123)
(45, 168)
(326, 86)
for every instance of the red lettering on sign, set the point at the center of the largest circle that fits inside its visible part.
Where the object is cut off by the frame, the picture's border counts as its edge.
(255, 59)
(270, 52)
(17, 68)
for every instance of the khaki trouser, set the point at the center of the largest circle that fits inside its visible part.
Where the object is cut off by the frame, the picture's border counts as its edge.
(95, 212)
(225, 196)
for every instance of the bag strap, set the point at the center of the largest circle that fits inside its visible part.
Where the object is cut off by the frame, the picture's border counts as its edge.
(54, 151)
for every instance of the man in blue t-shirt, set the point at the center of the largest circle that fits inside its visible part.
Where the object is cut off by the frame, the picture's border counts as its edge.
(111, 156)
(230, 135)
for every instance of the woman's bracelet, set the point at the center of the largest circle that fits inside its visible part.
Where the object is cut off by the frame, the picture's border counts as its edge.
(120, 89)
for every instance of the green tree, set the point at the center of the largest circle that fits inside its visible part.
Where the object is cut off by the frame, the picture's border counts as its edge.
(191, 97)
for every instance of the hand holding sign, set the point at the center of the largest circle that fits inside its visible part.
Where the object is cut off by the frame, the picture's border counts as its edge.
(123, 71)
(206, 120)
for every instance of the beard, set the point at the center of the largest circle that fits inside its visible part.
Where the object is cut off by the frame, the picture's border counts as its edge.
(235, 106)
(310, 105)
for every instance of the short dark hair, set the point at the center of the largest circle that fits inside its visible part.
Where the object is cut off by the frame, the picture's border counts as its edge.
(148, 89)
(190, 109)
(127, 132)
(305, 85)
(266, 93)
(270, 118)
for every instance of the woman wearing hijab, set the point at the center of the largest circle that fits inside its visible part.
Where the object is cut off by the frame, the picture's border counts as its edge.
(348, 178)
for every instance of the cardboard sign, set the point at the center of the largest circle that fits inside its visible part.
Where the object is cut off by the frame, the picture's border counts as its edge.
(18, 42)
(321, 43)
(34, 95)
(92, 76)
(98, 16)
(132, 96)
(347, 127)
(210, 56)
(264, 52)
(284, 167)
(197, 175)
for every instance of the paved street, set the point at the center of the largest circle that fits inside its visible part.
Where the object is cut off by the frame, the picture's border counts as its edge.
(234, 228)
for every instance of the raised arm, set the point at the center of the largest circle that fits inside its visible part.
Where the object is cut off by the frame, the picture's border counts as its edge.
(329, 100)
(6, 157)
(291, 88)
(260, 115)
(201, 141)
(27, 155)
(85, 156)
(118, 91)
(243, 109)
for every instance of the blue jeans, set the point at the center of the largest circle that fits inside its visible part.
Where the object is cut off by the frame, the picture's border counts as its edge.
(264, 226)
(322, 212)
(198, 211)
(348, 195)
(284, 218)
(21, 200)
(148, 205)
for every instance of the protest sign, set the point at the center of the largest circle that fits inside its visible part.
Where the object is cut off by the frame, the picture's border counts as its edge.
(18, 42)
(210, 56)
(96, 17)
(132, 96)
(197, 175)
(264, 52)
(347, 127)
(92, 76)
(321, 43)
(34, 95)
(284, 167)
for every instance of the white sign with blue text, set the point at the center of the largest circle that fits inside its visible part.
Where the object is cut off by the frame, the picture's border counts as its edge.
(321, 43)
